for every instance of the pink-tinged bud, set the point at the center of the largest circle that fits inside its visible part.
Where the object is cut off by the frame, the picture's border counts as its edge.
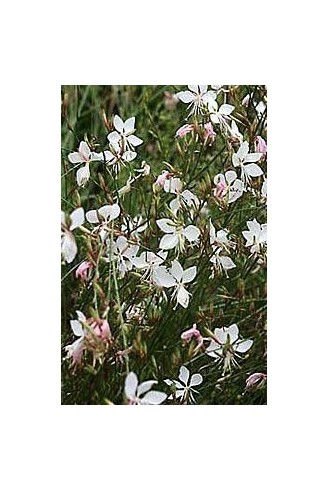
(260, 145)
(187, 128)
(101, 329)
(192, 332)
(210, 134)
(82, 270)
(255, 379)
(220, 190)
(165, 175)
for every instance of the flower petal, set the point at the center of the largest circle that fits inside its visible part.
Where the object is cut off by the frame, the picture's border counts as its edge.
(186, 96)
(130, 387)
(189, 274)
(77, 218)
(153, 398)
(75, 157)
(253, 157)
(183, 297)
(233, 332)
(168, 241)
(77, 328)
(68, 247)
(145, 386)
(166, 225)
(191, 233)
(184, 375)
(134, 140)
(129, 125)
(243, 346)
(227, 263)
(226, 109)
(253, 170)
(118, 124)
(196, 379)
(176, 270)
(83, 175)
(162, 278)
(92, 216)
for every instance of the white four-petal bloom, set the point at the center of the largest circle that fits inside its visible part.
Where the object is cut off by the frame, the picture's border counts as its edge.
(84, 155)
(176, 277)
(228, 185)
(175, 234)
(141, 394)
(125, 254)
(123, 139)
(103, 216)
(245, 161)
(220, 242)
(68, 244)
(197, 97)
(185, 385)
(226, 346)
(255, 236)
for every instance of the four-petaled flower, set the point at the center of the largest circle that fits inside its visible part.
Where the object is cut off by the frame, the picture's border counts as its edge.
(68, 244)
(197, 97)
(228, 186)
(102, 217)
(175, 234)
(255, 236)
(84, 155)
(141, 394)
(176, 277)
(185, 386)
(245, 161)
(226, 346)
(123, 140)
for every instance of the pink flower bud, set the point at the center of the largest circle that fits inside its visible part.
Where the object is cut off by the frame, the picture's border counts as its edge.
(193, 332)
(165, 175)
(101, 329)
(260, 145)
(187, 128)
(210, 134)
(220, 190)
(255, 379)
(82, 270)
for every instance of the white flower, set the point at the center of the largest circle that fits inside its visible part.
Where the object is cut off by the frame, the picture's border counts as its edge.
(246, 161)
(125, 254)
(141, 394)
(84, 155)
(197, 97)
(176, 234)
(177, 278)
(226, 346)
(149, 261)
(219, 242)
(255, 236)
(185, 385)
(123, 138)
(220, 238)
(75, 350)
(183, 199)
(103, 216)
(228, 185)
(68, 244)
(220, 115)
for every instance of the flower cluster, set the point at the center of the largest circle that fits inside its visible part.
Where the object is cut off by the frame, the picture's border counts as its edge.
(165, 239)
